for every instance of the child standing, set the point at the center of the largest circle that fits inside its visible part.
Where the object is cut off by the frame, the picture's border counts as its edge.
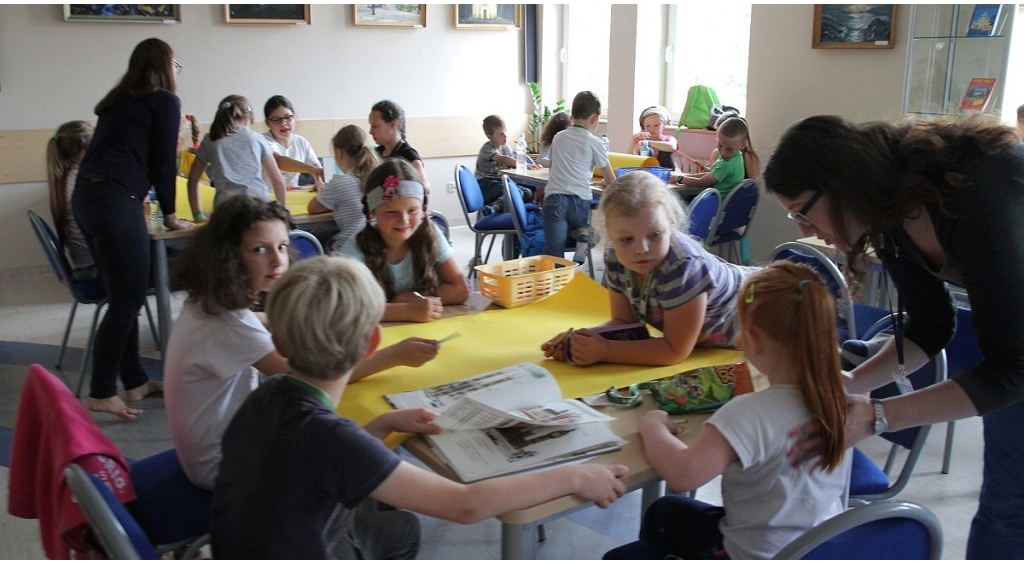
(64, 151)
(575, 153)
(407, 253)
(652, 130)
(218, 343)
(238, 156)
(289, 458)
(343, 194)
(789, 334)
(659, 275)
(729, 160)
(387, 127)
(298, 155)
(495, 155)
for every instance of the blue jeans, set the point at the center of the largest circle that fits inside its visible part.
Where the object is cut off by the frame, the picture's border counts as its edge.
(997, 531)
(676, 525)
(562, 214)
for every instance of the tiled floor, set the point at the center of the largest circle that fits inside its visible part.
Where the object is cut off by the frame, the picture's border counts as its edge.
(34, 308)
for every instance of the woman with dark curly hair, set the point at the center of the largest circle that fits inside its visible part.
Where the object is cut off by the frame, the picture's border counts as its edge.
(939, 202)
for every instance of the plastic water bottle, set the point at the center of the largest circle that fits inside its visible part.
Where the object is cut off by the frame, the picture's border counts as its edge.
(607, 144)
(154, 207)
(645, 148)
(521, 153)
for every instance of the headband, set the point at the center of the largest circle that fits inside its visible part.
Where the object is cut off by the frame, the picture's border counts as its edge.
(659, 111)
(393, 188)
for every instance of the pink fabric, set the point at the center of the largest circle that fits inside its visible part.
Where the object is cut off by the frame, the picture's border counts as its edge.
(52, 430)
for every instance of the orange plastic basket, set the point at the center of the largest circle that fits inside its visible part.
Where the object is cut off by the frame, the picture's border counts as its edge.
(518, 282)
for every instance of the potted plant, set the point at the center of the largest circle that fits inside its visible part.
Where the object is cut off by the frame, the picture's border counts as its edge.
(540, 116)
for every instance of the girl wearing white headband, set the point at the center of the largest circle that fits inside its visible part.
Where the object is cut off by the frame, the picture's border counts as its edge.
(407, 254)
(652, 129)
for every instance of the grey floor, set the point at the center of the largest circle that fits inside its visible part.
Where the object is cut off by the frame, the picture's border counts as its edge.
(34, 308)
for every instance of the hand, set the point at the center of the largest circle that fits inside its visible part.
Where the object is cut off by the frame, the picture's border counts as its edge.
(807, 443)
(425, 310)
(534, 166)
(587, 347)
(174, 224)
(554, 348)
(600, 483)
(417, 420)
(318, 179)
(416, 351)
(656, 419)
(860, 422)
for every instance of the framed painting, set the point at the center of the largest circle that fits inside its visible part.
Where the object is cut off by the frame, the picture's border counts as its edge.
(149, 13)
(854, 26)
(266, 13)
(390, 15)
(493, 16)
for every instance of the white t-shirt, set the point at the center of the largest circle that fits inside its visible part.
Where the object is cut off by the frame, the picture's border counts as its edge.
(575, 153)
(236, 164)
(402, 272)
(300, 150)
(768, 503)
(207, 375)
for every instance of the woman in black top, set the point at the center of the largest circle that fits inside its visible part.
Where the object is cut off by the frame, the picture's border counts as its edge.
(941, 202)
(133, 148)
(387, 127)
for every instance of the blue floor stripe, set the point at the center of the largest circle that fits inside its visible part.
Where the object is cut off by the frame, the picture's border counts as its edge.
(6, 440)
(24, 354)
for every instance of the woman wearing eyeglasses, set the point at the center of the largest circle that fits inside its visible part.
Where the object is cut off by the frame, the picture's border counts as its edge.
(133, 148)
(940, 202)
(298, 153)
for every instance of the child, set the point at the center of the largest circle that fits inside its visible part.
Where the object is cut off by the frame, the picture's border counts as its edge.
(575, 153)
(289, 458)
(343, 194)
(408, 254)
(297, 152)
(659, 275)
(652, 124)
(64, 151)
(495, 155)
(238, 155)
(729, 160)
(789, 334)
(387, 127)
(218, 343)
(556, 124)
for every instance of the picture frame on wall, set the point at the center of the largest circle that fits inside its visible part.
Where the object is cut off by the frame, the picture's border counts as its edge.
(487, 16)
(144, 13)
(854, 26)
(267, 14)
(390, 15)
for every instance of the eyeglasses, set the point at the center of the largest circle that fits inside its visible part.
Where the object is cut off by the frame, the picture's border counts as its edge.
(800, 217)
(177, 66)
(282, 119)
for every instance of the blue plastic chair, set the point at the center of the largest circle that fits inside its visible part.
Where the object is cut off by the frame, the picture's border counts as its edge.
(117, 531)
(174, 512)
(733, 224)
(304, 245)
(800, 253)
(472, 201)
(703, 212)
(962, 353)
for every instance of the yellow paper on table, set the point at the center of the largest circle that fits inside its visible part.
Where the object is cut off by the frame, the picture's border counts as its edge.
(619, 160)
(498, 338)
(297, 200)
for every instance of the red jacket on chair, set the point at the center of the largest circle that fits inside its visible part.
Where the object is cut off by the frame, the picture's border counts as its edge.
(53, 429)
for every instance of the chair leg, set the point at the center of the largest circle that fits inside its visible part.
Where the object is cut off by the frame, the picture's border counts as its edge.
(487, 257)
(67, 332)
(948, 454)
(152, 325)
(478, 244)
(891, 459)
(88, 349)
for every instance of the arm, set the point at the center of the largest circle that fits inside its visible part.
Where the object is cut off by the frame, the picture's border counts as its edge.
(408, 307)
(274, 173)
(418, 420)
(413, 351)
(316, 206)
(608, 175)
(621, 314)
(668, 146)
(503, 159)
(425, 492)
(272, 363)
(454, 288)
(945, 401)
(699, 180)
(683, 467)
(288, 164)
(198, 167)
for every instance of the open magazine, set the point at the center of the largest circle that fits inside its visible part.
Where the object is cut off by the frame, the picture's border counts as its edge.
(507, 421)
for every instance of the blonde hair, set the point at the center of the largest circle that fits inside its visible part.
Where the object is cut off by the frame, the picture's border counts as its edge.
(353, 141)
(790, 303)
(323, 312)
(64, 151)
(632, 193)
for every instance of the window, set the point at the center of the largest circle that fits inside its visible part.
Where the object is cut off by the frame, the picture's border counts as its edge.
(708, 44)
(586, 29)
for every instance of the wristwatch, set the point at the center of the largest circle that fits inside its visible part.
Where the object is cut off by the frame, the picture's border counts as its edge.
(881, 423)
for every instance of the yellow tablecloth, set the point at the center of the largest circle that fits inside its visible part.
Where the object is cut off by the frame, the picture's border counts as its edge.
(618, 160)
(502, 337)
(297, 199)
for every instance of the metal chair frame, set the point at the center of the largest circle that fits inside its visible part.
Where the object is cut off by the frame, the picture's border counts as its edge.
(472, 201)
(305, 244)
(733, 223)
(704, 231)
(516, 206)
(795, 251)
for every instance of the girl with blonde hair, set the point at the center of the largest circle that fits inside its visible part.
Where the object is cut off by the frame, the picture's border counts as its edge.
(343, 195)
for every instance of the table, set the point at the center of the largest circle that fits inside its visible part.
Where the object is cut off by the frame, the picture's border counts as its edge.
(501, 337)
(540, 177)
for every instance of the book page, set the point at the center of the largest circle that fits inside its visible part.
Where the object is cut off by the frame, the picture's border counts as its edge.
(469, 413)
(515, 387)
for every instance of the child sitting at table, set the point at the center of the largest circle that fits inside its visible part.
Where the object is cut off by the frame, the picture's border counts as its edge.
(788, 321)
(575, 153)
(238, 157)
(659, 275)
(218, 343)
(289, 458)
(406, 252)
(343, 194)
(729, 167)
(292, 152)
(387, 127)
(652, 130)
(495, 155)
(555, 125)
(64, 151)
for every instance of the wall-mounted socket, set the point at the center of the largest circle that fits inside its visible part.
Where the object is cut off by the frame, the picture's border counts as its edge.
(451, 187)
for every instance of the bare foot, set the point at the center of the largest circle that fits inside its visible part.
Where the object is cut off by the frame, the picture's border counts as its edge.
(114, 406)
(149, 388)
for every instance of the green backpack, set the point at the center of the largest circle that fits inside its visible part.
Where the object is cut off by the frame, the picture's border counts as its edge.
(697, 111)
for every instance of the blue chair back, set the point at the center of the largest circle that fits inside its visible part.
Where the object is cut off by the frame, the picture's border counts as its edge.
(737, 210)
(117, 531)
(514, 197)
(442, 223)
(963, 351)
(830, 274)
(304, 245)
(85, 291)
(703, 212)
(168, 505)
(470, 195)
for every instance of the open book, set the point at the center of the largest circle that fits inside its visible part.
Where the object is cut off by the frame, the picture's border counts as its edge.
(507, 421)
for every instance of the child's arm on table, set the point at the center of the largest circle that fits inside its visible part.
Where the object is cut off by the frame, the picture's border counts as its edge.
(682, 329)
(408, 307)
(607, 176)
(683, 467)
(416, 420)
(414, 351)
(288, 164)
(316, 206)
(699, 180)
(454, 288)
(198, 167)
(424, 492)
(276, 180)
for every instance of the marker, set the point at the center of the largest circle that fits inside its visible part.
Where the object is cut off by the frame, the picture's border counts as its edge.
(419, 295)
(454, 335)
(561, 338)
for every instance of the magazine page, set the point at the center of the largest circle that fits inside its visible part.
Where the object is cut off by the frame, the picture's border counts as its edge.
(477, 454)
(470, 413)
(514, 387)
